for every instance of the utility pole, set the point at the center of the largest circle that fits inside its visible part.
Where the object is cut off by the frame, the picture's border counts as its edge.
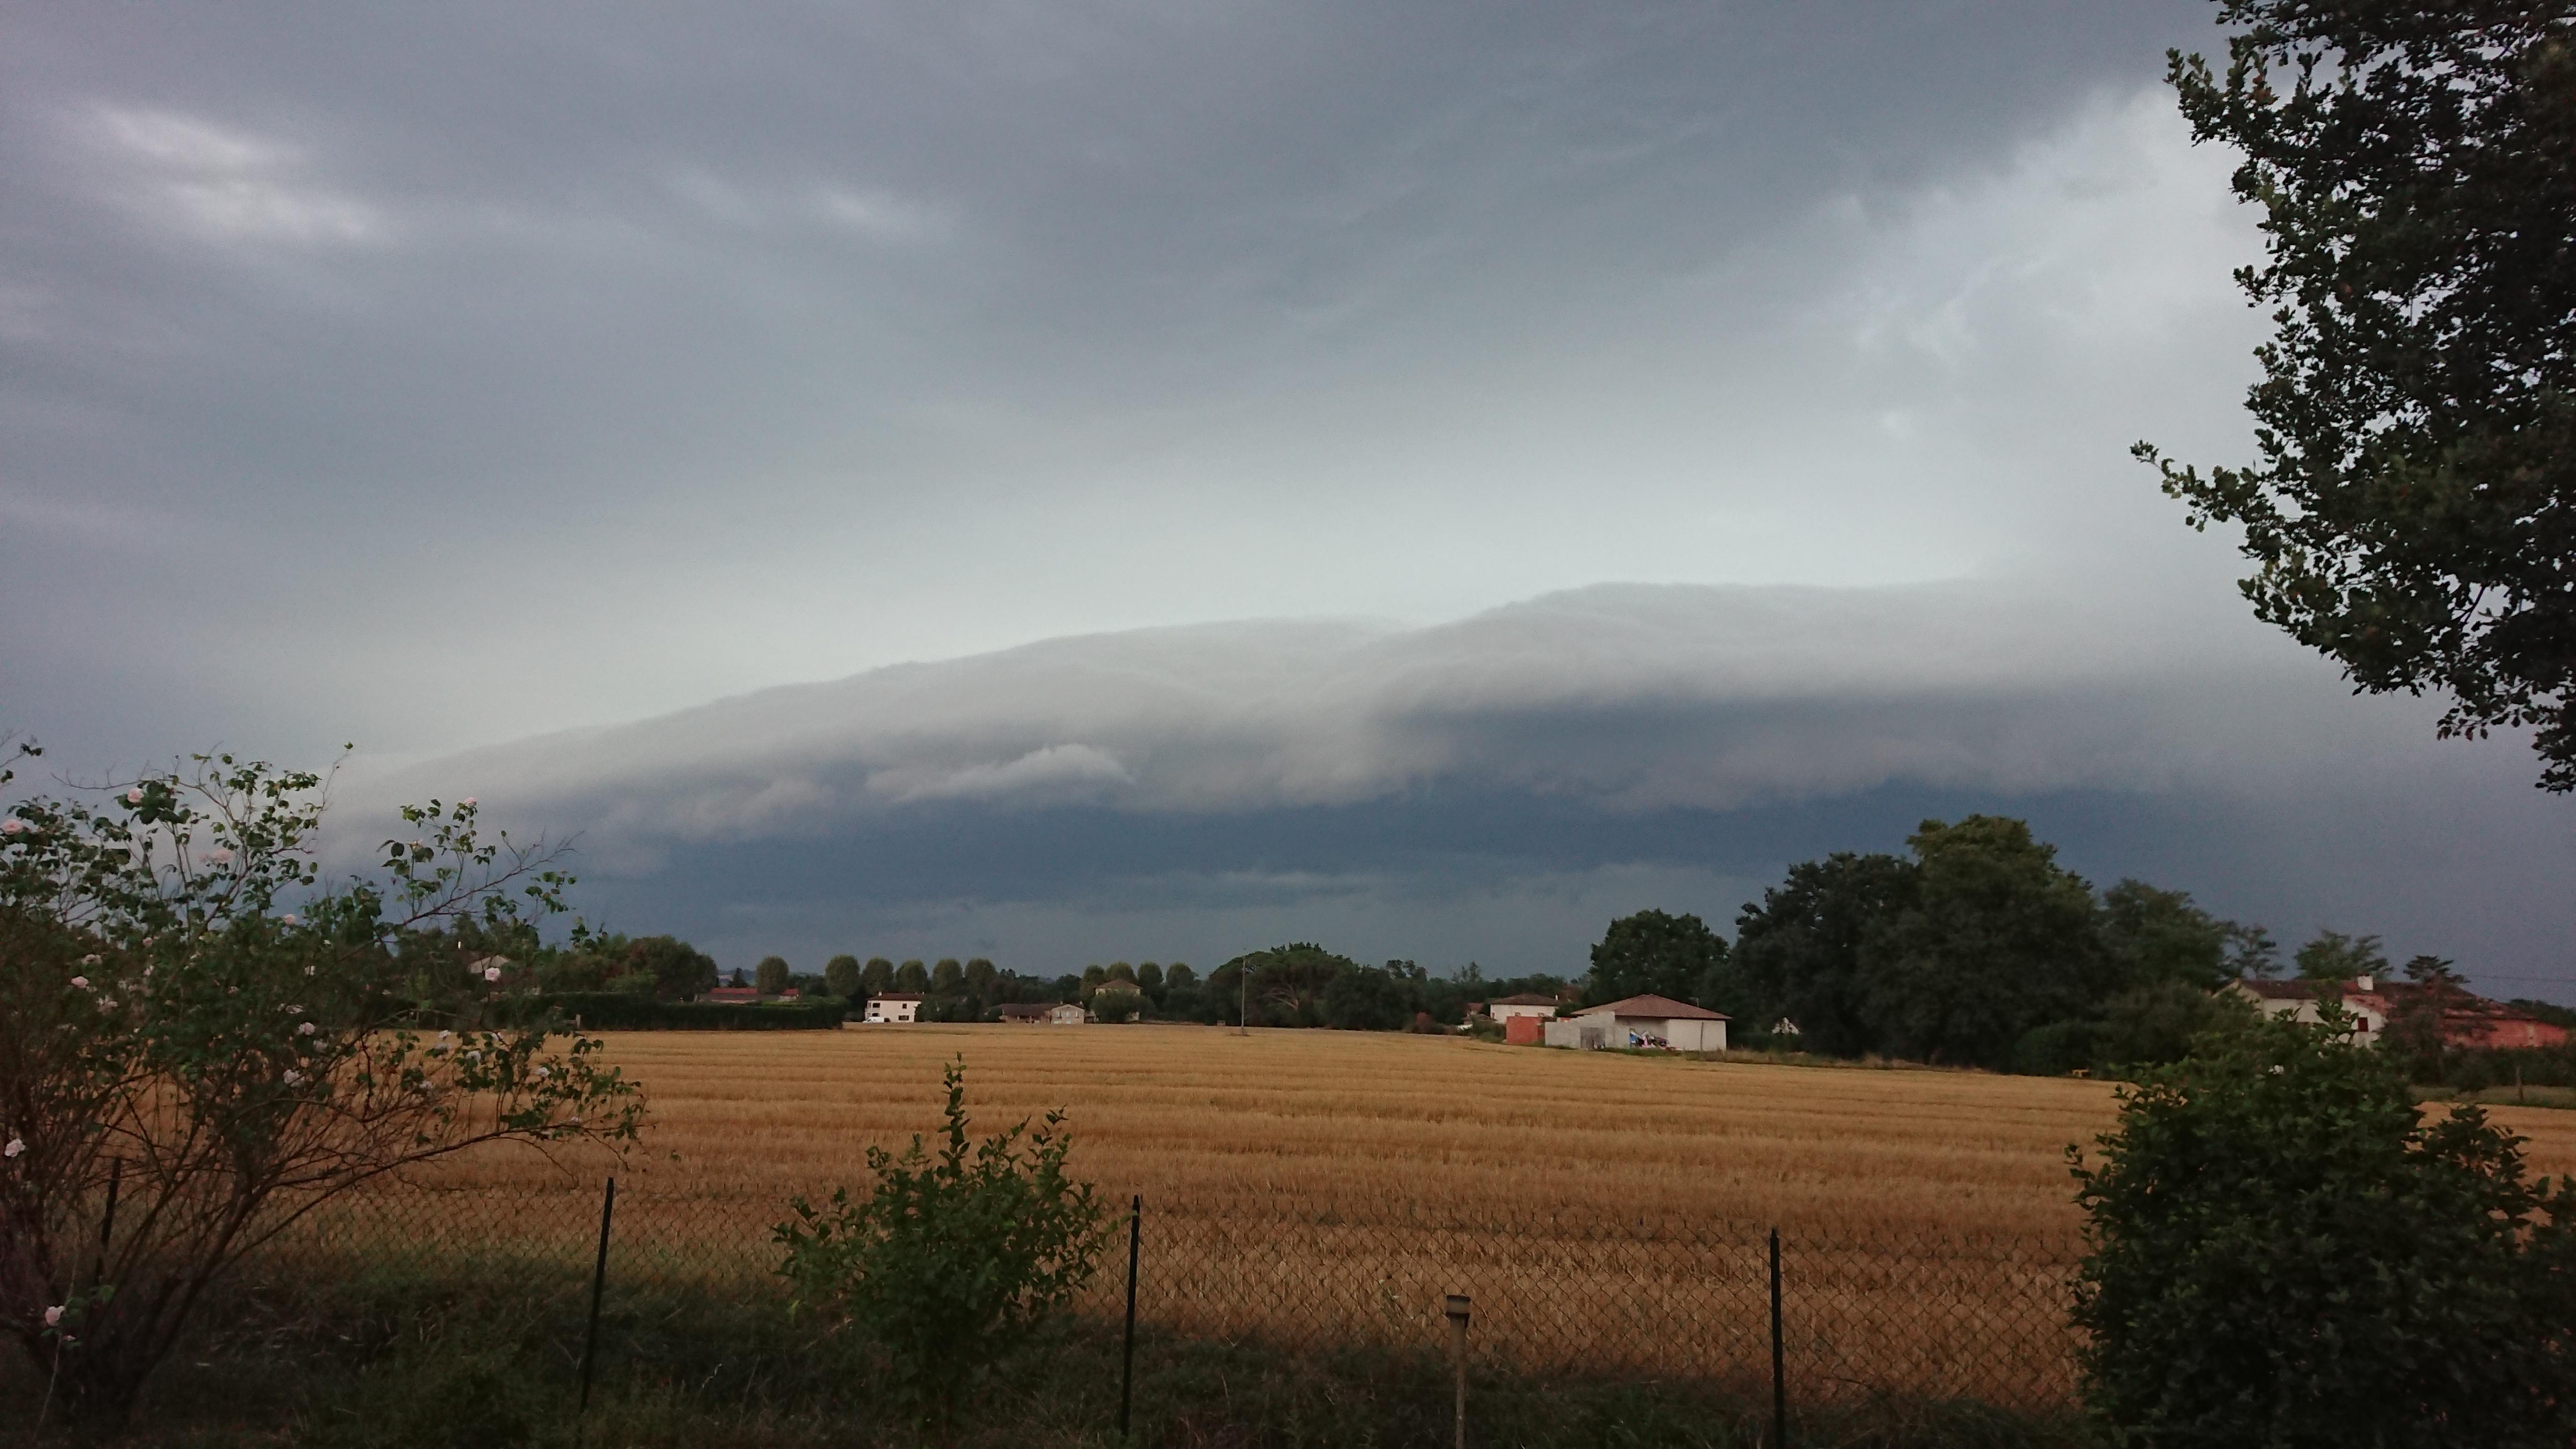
(1242, 1002)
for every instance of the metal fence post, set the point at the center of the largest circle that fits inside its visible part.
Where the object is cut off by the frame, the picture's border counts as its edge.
(1127, 1366)
(1779, 1358)
(598, 1285)
(1457, 1311)
(107, 1219)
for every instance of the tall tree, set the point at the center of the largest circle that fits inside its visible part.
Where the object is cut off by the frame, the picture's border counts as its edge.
(2155, 936)
(2413, 512)
(1997, 939)
(911, 978)
(771, 975)
(679, 970)
(841, 976)
(1653, 953)
(2334, 956)
(877, 977)
(1798, 953)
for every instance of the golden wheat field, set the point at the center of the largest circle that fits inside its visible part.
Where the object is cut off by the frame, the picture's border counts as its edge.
(1606, 1212)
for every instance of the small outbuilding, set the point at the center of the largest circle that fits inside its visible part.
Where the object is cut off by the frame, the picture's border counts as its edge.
(1504, 1008)
(1644, 1023)
(1044, 1013)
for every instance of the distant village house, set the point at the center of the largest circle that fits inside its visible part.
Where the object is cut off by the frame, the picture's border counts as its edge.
(2467, 1021)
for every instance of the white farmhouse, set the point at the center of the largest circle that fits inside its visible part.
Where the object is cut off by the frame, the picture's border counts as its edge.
(1652, 1023)
(893, 1008)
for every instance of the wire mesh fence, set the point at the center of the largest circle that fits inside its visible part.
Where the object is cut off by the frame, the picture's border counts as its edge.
(1886, 1314)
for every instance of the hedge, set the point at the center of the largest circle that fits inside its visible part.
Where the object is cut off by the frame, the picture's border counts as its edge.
(617, 1011)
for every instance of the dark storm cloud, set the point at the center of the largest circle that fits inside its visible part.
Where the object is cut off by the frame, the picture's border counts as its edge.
(446, 376)
(1602, 750)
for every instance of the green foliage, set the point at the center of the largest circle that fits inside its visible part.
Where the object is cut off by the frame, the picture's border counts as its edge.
(1149, 979)
(2414, 509)
(1283, 986)
(1653, 953)
(679, 970)
(841, 977)
(771, 975)
(2143, 1027)
(621, 1011)
(1371, 998)
(877, 977)
(186, 1007)
(2334, 956)
(912, 979)
(2156, 936)
(2285, 1253)
(954, 1260)
(1800, 952)
(1995, 939)
(1117, 1001)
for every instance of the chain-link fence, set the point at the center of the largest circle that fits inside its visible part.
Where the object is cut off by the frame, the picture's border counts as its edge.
(1894, 1314)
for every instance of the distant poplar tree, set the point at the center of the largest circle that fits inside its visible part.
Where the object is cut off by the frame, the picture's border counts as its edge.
(877, 977)
(771, 975)
(912, 978)
(841, 976)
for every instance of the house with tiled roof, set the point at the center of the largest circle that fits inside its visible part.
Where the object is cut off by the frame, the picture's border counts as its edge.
(1643, 1023)
(2467, 1020)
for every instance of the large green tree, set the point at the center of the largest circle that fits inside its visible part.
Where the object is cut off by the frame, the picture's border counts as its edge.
(1798, 953)
(1997, 939)
(2412, 514)
(1651, 952)
(841, 976)
(2155, 936)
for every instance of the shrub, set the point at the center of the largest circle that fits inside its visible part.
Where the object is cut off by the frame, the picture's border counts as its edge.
(952, 1261)
(177, 1041)
(2284, 1252)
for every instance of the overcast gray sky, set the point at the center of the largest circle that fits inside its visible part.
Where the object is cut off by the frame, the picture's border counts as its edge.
(442, 377)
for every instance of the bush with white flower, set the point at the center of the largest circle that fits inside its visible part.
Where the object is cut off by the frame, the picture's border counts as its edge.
(163, 1021)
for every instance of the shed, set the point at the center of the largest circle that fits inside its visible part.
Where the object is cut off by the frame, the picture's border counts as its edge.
(1044, 1013)
(1648, 1023)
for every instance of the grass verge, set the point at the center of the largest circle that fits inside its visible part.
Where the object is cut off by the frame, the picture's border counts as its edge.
(483, 1355)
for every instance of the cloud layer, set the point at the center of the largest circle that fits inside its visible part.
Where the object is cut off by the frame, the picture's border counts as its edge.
(1700, 737)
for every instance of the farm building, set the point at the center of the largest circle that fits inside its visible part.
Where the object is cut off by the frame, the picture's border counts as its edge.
(1045, 1013)
(1654, 1023)
(1504, 1008)
(893, 1008)
(2467, 1021)
(735, 995)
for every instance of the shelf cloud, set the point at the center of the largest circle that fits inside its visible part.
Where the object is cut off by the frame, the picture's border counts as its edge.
(1544, 747)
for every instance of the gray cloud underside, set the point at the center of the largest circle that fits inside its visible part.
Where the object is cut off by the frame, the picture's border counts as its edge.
(1606, 748)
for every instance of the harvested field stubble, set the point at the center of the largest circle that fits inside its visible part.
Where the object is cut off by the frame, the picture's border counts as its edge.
(1607, 1212)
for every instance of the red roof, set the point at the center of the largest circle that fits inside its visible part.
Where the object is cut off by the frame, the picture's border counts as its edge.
(1526, 998)
(1656, 1007)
